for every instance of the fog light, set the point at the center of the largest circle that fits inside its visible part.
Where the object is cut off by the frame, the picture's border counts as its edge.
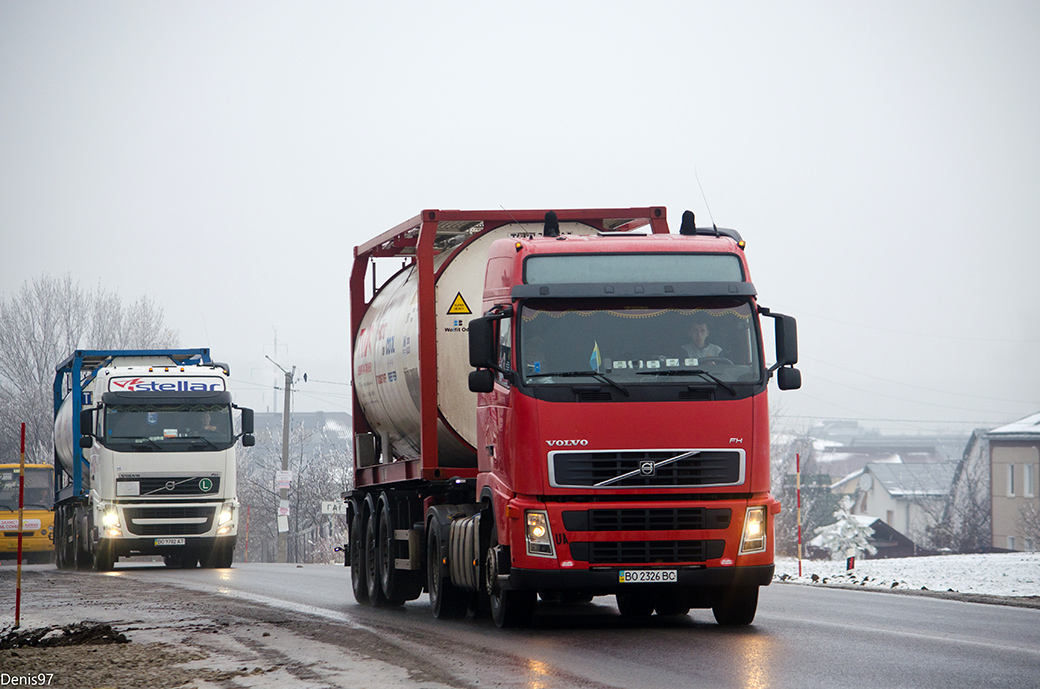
(114, 532)
(223, 530)
(754, 537)
(539, 537)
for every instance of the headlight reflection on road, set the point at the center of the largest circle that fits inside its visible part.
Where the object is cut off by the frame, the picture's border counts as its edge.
(537, 673)
(756, 653)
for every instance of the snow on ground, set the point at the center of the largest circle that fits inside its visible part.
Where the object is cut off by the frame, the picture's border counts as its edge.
(994, 574)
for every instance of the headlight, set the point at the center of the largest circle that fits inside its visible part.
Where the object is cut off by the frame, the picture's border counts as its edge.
(539, 537)
(110, 517)
(226, 515)
(754, 538)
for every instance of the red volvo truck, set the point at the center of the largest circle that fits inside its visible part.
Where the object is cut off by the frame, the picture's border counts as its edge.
(562, 405)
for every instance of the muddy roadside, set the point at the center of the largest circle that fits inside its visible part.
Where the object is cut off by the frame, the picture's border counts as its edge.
(173, 637)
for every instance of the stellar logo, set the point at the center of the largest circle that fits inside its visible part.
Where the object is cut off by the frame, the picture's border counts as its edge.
(167, 384)
(567, 443)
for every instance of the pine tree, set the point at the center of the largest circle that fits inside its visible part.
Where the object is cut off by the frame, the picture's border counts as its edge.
(846, 533)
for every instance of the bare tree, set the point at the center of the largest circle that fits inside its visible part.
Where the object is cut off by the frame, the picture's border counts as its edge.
(965, 526)
(1029, 525)
(319, 460)
(40, 326)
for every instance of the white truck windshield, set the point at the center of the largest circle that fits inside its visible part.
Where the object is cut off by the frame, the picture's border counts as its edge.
(167, 428)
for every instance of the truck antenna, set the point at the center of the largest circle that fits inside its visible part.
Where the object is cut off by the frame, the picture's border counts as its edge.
(704, 196)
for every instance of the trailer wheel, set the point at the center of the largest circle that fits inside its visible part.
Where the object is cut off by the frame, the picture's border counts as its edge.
(372, 575)
(737, 607)
(358, 580)
(447, 601)
(104, 556)
(508, 608)
(389, 579)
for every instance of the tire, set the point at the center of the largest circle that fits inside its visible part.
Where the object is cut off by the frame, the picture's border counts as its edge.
(635, 603)
(737, 607)
(372, 574)
(104, 558)
(358, 571)
(508, 608)
(447, 601)
(389, 581)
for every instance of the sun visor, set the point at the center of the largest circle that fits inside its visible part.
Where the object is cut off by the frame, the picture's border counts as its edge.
(181, 397)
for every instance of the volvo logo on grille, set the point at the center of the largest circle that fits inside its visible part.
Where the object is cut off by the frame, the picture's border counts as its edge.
(647, 467)
(170, 485)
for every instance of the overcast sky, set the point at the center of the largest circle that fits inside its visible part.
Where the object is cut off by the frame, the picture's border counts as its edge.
(881, 159)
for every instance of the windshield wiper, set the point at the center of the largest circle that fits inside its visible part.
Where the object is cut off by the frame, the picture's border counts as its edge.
(137, 443)
(690, 372)
(202, 438)
(591, 374)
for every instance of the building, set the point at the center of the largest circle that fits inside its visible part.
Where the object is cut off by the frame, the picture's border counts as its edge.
(1014, 470)
(909, 498)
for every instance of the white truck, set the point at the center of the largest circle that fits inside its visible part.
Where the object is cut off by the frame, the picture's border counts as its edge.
(144, 446)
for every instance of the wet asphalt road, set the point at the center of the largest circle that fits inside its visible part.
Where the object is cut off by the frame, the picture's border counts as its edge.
(802, 636)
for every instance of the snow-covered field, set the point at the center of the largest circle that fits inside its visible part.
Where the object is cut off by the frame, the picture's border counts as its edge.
(1003, 574)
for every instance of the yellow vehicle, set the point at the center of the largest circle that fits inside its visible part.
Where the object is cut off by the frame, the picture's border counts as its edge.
(37, 515)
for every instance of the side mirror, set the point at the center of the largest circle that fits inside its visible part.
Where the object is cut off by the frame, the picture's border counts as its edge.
(482, 380)
(86, 441)
(248, 440)
(788, 378)
(86, 422)
(247, 422)
(786, 341)
(482, 343)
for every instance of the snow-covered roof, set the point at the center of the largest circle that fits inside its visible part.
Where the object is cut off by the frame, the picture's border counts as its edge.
(909, 480)
(1029, 426)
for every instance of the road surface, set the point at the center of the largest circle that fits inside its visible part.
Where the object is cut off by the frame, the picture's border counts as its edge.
(802, 637)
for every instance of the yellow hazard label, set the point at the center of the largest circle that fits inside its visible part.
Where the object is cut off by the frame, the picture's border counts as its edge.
(459, 305)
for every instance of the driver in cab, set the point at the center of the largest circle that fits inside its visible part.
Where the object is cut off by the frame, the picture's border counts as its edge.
(699, 347)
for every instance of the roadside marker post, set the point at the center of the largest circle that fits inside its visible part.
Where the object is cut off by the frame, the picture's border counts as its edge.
(21, 516)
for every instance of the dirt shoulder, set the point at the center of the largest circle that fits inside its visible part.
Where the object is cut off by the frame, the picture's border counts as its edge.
(181, 638)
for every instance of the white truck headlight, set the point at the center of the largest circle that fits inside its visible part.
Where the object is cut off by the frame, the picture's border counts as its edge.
(227, 513)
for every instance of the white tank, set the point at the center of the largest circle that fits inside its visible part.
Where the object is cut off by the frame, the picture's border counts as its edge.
(386, 351)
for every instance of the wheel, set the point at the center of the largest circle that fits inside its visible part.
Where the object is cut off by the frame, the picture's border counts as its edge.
(635, 603)
(358, 571)
(736, 607)
(447, 601)
(104, 558)
(389, 580)
(372, 574)
(508, 608)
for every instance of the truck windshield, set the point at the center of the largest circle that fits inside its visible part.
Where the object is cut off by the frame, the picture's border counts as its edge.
(692, 340)
(38, 491)
(167, 428)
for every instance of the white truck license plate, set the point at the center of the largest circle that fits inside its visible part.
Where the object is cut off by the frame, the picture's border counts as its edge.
(647, 576)
(169, 541)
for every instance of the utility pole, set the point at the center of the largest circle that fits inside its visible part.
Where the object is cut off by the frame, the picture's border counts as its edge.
(283, 493)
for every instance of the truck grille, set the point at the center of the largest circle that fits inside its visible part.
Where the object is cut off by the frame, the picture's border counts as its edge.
(646, 468)
(163, 486)
(646, 552)
(178, 520)
(678, 519)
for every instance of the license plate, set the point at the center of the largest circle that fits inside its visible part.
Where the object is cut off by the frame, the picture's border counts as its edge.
(169, 541)
(647, 576)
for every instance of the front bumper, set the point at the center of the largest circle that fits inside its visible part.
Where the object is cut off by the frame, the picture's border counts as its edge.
(605, 581)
